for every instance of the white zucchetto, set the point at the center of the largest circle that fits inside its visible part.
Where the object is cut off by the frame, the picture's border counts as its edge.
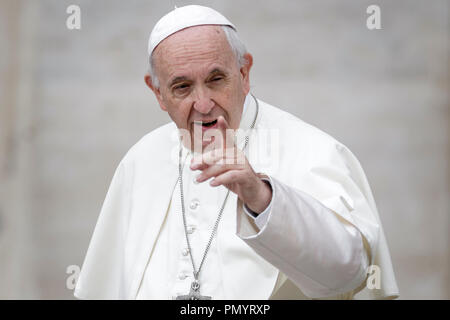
(184, 17)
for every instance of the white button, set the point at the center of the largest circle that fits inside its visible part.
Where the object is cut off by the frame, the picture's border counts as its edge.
(185, 252)
(191, 229)
(182, 276)
(194, 204)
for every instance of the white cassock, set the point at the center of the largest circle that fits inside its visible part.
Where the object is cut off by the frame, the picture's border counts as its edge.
(317, 238)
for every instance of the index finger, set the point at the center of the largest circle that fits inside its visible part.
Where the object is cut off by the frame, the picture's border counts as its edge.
(229, 137)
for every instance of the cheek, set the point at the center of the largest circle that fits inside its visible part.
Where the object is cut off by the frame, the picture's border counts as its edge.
(179, 113)
(239, 86)
(232, 102)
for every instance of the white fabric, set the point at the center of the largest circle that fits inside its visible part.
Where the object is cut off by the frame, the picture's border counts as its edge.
(181, 18)
(170, 260)
(310, 246)
(170, 257)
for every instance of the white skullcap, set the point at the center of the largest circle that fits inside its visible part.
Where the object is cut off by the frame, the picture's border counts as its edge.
(181, 18)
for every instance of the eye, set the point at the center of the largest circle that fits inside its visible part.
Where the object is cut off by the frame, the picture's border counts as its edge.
(181, 87)
(216, 79)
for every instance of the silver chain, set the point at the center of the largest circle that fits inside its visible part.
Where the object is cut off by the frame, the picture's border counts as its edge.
(216, 224)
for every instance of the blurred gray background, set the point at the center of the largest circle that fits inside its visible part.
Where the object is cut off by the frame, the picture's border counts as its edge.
(74, 101)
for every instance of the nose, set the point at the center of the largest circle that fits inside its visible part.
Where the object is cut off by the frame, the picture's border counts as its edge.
(202, 101)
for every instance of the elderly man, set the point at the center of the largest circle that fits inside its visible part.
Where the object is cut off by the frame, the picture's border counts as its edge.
(287, 212)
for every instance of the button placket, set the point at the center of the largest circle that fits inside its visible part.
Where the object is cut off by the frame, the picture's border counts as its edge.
(182, 276)
(195, 203)
(191, 229)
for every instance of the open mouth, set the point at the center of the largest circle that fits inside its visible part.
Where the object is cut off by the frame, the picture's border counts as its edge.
(206, 124)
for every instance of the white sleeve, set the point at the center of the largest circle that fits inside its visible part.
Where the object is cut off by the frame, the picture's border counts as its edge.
(320, 253)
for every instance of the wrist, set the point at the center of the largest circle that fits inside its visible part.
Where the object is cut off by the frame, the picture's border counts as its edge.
(263, 198)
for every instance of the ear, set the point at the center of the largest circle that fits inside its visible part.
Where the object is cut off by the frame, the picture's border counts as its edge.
(156, 91)
(245, 72)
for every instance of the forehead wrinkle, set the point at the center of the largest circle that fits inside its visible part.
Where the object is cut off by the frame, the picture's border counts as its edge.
(186, 49)
(191, 55)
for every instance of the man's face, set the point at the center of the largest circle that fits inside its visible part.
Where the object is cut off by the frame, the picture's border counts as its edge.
(200, 79)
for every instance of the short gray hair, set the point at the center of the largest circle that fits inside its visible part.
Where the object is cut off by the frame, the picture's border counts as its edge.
(235, 43)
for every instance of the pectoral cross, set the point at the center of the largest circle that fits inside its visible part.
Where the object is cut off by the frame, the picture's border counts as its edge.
(194, 294)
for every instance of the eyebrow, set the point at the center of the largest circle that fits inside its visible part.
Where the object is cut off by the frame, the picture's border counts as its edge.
(184, 78)
(216, 70)
(177, 79)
